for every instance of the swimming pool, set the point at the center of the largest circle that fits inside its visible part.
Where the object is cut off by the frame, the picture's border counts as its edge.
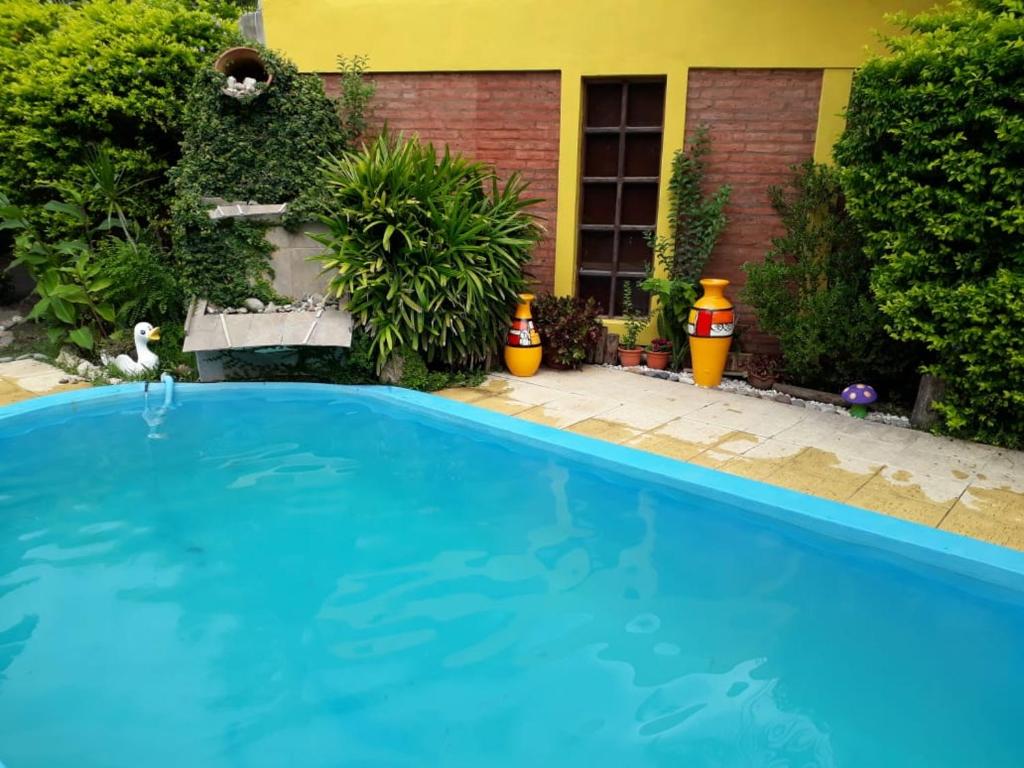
(321, 576)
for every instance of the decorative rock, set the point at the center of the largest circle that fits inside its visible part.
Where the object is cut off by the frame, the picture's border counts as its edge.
(254, 305)
(673, 377)
(213, 309)
(271, 307)
(660, 374)
(316, 298)
(68, 359)
(116, 380)
(784, 399)
(40, 356)
(393, 369)
(16, 320)
(242, 310)
(6, 339)
(6, 359)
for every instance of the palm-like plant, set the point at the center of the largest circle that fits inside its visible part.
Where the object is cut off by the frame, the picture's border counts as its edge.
(429, 250)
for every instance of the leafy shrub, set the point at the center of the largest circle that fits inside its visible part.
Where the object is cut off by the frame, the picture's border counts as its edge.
(813, 292)
(634, 321)
(143, 286)
(931, 160)
(696, 219)
(73, 293)
(267, 150)
(110, 73)
(429, 250)
(569, 327)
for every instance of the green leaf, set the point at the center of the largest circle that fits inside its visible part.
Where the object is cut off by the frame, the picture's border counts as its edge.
(82, 337)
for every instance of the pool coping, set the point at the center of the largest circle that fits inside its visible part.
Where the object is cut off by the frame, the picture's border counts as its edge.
(950, 551)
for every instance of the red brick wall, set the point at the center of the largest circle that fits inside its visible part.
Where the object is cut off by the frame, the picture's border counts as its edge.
(761, 122)
(508, 119)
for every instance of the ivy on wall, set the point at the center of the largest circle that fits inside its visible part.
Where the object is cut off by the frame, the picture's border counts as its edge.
(266, 150)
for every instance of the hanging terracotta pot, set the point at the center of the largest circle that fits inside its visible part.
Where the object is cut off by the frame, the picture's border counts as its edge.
(522, 346)
(711, 325)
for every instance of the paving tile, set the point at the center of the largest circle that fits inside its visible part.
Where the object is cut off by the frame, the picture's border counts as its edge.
(904, 501)
(12, 393)
(1004, 470)
(640, 417)
(710, 434)
(17, 369)
(501, 404)
(603, 429)
(666, 445)
(759, 417)
(989, 514)
(462, 394)
(763, 461)
(568, 410)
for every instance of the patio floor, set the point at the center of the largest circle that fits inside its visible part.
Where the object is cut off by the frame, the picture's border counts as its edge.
(968, 488)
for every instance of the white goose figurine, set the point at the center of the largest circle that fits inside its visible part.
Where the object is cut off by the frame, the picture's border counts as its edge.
(147, 361)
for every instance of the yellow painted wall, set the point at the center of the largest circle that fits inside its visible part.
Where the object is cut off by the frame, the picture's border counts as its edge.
(585, 38)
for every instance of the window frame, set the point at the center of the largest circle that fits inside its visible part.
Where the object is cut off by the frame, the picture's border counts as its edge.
(622, 130)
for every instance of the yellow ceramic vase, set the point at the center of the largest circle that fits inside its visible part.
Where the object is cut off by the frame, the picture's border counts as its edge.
(522, 346)
(711, 324)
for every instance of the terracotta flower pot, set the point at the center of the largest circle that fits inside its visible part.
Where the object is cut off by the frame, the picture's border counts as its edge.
(630, 357)
(658, 360)
(760, 382)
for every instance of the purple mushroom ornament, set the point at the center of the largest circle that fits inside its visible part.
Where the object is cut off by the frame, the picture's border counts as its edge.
(859, 397)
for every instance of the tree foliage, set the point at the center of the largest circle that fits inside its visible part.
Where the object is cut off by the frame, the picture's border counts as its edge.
(813, 292)
(101, 73)
(429, 250)
(932, 166)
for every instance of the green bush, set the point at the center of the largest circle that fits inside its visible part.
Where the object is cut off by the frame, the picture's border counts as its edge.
(268, 150)
(569, 327)
(813, 292)
(110, 73)
(931, 161)
(428, 250)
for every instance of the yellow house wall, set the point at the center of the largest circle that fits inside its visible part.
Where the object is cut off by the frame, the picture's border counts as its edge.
(587, 38)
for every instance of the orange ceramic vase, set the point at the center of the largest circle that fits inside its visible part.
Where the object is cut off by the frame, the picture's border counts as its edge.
(711, 324)
(522, 346)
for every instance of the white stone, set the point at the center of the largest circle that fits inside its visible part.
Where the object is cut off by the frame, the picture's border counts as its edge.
(254, 305)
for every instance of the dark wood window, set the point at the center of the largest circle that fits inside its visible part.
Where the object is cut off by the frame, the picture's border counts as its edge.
(619, 187)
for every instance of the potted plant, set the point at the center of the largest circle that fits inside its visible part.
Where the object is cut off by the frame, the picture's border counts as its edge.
(569, 328)
(629, 352)
(762, 371)
(658, 353)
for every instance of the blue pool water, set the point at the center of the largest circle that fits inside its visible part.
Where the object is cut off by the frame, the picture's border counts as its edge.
(302, 577)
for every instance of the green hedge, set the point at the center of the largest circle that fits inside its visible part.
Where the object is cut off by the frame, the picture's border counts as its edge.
(110, 73)
(932, 165)
(813, 292)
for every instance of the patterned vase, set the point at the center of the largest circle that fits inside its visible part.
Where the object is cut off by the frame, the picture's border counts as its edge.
(711, 324)
(522, 346)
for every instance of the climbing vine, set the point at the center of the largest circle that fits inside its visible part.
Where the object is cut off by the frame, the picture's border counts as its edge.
(266, 150)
